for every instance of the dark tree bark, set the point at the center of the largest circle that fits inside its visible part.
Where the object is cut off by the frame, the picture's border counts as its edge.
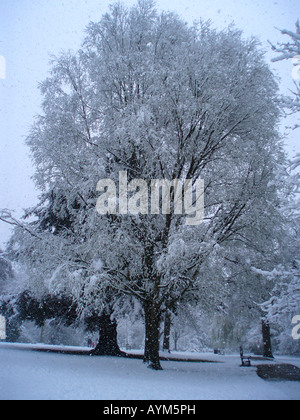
(152, 335)
(108, 339)
(13, 330)
(167, 331)
(267, 344)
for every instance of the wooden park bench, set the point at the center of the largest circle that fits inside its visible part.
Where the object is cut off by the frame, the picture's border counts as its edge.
(246, 360)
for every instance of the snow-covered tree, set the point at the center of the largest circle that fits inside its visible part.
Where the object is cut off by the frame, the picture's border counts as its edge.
(291, 51)
(151, 96)
(284, 301)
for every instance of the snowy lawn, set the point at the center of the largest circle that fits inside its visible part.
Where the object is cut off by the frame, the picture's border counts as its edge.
(27, 374)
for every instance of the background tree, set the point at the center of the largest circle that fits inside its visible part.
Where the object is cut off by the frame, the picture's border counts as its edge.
(290, 51)
(6, 271)
(53, 220)
(283, 302)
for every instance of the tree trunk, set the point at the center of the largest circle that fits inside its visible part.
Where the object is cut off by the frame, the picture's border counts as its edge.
(108, 339)
(167, 331)
(267, 345)
(176, 337)
(152, 330)
(42, 337)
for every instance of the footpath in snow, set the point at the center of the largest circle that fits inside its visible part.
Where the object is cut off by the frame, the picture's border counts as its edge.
(27, 374)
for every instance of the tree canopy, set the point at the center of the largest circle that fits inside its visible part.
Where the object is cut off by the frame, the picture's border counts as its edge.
(149, 95)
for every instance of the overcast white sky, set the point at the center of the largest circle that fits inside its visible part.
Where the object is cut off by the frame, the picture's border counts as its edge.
(32, 30)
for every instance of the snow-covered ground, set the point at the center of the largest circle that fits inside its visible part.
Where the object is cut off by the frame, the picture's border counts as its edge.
(30, 375)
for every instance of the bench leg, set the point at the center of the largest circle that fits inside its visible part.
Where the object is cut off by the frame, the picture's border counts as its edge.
(246, 364)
